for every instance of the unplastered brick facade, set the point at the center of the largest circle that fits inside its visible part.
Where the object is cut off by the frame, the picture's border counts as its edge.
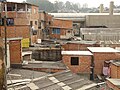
(102, 54)
(99, 59)
(115, 71)
(22, 18)
(45, 20)
(77, 61)
(64, 28)
(78, 46)
(15, 51)
(84, 63)
(16, 31)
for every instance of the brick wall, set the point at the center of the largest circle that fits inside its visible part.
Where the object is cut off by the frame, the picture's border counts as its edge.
(77, 47)
(16, 31)
(115, 71)
(15, 52)
(64, 25)
(62, 32)
(84, 63)
(99, 59)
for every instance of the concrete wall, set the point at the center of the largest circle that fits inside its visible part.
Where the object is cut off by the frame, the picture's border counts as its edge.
(84, 63)
(111, 21)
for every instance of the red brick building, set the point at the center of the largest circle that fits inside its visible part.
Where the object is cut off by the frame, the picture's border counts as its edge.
(79, 45)
(102, 54)
(22, 20)
(61, 29)
(115, 69)
(45, 20)
(77, 61)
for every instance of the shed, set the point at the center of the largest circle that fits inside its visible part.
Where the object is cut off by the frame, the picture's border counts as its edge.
(102, 54)
(77, 61)
(115, 69)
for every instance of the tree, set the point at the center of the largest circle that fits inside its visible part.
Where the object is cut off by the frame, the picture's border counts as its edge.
(43, 4)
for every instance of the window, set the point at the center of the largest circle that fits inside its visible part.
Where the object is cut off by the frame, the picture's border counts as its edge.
(74, 60)
(68, 31)
(10, 21)
(35, 22)
(56, 31)
(31, 23)
(1, 22)
(34, 11)
(34, 32)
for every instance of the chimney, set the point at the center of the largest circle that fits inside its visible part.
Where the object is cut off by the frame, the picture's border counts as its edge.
(101, 9)
(111, 8)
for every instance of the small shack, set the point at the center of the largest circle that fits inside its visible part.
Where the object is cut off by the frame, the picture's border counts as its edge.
(77, 61)
(102, 54)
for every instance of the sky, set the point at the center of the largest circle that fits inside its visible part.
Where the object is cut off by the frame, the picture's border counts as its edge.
(91, 3)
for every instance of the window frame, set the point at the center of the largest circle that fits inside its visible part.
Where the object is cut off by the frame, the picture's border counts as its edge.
(74, 61)
(56, 31)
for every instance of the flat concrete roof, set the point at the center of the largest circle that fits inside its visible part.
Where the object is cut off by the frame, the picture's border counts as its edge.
(83, 42)
(103, 49)
(116, 82)
(116, 62)
(45, 64)
(76, 53)
(26, 53)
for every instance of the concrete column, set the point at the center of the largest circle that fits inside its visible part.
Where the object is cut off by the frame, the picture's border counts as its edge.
(111, 8)
(101, 9)
(16, 9)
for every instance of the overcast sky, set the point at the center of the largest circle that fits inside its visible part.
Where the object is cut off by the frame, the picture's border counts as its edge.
(91, 3)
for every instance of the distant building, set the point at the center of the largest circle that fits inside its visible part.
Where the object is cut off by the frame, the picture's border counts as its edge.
(92, 20)
(61, 29)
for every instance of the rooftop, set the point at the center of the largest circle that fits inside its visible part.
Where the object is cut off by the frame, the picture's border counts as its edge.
(103, 49)
(76, 53)
(65, 80)
(77, 15)
(82, 42)
(116, 82)
(116, 62)
(45, 64)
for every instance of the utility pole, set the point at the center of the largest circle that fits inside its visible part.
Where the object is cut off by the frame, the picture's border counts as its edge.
(5, 39)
